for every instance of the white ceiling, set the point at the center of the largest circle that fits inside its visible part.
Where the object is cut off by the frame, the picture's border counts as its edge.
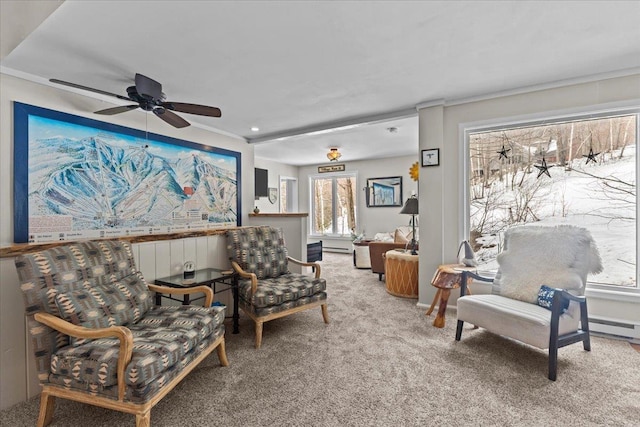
(290, 67)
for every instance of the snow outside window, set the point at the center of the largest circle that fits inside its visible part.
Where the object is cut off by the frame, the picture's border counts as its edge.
(333, 204)
(589, 181)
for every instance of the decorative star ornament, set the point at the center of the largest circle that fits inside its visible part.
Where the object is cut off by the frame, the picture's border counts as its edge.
(591, 157)
(543, 168)
(503, 153)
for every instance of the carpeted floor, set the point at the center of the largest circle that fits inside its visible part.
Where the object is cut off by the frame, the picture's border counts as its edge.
(380, 362)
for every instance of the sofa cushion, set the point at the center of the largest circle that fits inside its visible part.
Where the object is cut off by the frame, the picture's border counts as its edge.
(101, 306)
(288, 287)
(161, 339)
(145, 392)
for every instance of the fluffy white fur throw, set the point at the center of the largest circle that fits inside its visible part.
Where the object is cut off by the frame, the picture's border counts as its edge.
(533, 256)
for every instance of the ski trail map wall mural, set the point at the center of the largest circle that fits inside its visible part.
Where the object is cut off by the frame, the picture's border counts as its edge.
(78, 178)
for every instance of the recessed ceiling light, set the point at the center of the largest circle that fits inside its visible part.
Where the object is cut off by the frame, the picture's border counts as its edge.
(255, 128)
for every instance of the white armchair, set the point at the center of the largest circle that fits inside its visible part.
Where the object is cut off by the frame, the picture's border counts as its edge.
(537, 292)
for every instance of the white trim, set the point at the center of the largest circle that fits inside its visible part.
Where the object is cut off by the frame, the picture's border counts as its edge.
(542, 118)
(629, 295)
(545, 86)
(335, 126)
(433, 103)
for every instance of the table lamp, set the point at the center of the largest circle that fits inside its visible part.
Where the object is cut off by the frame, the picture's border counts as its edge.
(411, 208)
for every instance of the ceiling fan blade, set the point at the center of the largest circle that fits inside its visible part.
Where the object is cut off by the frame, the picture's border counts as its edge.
(90, 89)
(148, 88)
(172, 118)
(117, 110)
(202, 110)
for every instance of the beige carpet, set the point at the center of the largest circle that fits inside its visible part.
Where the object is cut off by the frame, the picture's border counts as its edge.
(381, 363)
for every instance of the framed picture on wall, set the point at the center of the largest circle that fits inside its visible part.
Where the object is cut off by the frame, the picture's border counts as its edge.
(78, 178)
(431, 157)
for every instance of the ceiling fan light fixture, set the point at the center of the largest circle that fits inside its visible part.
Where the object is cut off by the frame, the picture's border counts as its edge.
(333, 154)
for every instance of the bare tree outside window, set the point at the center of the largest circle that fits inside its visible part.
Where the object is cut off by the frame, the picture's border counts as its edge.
(592, 163)
(333, 205)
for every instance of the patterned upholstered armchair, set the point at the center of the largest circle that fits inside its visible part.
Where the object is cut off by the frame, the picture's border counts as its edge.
(538, 290)
(98, 339)
(268, 290)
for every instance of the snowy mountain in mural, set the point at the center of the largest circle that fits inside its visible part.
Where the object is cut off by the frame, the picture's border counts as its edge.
(106, 182)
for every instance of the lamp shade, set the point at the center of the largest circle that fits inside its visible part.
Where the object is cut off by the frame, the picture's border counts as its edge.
(410, 207)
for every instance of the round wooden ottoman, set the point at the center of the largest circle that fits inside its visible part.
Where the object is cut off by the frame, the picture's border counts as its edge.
(401, 273)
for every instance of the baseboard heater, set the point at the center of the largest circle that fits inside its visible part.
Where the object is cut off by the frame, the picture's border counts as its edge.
(615, 327)
(336, 249)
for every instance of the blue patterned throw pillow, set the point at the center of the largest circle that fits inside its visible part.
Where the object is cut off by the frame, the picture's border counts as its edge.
(545, 298)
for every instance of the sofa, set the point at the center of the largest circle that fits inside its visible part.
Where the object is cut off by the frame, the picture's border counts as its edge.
(383, 242)
(98, 338)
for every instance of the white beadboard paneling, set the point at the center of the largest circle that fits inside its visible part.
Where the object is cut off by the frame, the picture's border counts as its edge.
(201, 256)
(13, 359)
(176, 256)
(163, 259)
(217, 252)
(190, 251)
(147, 260)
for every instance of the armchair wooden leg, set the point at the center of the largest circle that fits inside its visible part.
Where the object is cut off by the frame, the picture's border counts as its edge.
(325, 313)
(144, 419)
(222, 354)
(258, 333)
(47, 405)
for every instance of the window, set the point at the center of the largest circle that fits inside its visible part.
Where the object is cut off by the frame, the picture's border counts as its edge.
(589, 181)
(288, 194)
(333, 204)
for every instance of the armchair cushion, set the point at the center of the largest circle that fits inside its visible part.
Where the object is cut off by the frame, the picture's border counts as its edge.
(161, 339)
(123, 302)
(516, 319)
(259, 250)
(276, 291)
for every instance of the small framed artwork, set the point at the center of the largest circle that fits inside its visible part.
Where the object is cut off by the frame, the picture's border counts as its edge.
(431, 157)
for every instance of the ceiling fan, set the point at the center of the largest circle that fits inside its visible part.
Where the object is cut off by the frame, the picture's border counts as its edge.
(147, 94)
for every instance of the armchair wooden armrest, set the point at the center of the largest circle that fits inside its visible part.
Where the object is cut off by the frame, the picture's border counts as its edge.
(246, 275)
(474, 276)
(208, 293)
(314, 265)
(122, 333)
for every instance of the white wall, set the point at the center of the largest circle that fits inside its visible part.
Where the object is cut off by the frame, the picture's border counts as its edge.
(370, 220)
(155, 259)
(275, 171)
(441, 202)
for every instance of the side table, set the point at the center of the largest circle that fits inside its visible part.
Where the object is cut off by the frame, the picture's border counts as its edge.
(207, 276)
(447, 277)
(401, 273)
